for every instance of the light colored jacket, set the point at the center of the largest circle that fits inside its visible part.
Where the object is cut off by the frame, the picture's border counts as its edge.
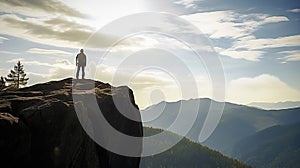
(81, 59)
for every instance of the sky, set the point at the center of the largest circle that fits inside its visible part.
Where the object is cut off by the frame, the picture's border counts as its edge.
(257, 43)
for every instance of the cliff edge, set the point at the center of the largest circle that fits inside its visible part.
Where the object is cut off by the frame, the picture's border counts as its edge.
(40, 127)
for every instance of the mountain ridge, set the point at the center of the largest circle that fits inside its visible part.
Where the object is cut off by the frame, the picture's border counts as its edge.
(187, 154)
(237, 121)
(277, 146)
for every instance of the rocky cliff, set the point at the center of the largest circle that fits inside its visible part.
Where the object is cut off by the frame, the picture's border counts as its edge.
(40, 128)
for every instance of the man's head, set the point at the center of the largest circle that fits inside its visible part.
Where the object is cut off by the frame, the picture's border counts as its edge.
(81, 50)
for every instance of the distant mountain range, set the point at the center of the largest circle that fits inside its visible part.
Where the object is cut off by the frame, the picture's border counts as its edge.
(275, 147)
(275, 106)
(237, 122)
(186, 154)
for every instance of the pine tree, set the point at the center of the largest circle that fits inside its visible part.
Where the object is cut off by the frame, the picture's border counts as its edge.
(16, 78)
(2, 83)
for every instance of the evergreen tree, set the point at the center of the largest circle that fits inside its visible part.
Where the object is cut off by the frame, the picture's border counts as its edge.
(2, 83)
(16, 78)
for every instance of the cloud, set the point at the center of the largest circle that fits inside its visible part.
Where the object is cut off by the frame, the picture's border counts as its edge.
(294, 10)
(55, 71)
(252, 49)
(158, 41)
(62, 23)
(36, 8)
(2, 39)
(262, 88)
(60, 72)
(63, 63)
(59, 32)
(293, 55)
(66, 32)
(35, 78)
(36, 63)
(28, 62)
(142, 80)
(37, 30)
(142, 83)
(48, 52)
(247, 55)
(267, 43)
(15, 60)
(275, 19)
(229, 24)
(187, 3)
(9, 52)
(240, 28)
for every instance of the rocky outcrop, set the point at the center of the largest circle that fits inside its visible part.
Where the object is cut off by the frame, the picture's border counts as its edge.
(40, 128)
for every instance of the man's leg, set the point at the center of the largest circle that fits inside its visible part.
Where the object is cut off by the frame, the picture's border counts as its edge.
(83, 72)
(77, 73)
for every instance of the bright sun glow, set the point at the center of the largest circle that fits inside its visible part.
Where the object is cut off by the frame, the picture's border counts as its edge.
(103, 12)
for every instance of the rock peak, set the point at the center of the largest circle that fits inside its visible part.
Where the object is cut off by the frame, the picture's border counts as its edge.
(48, 132)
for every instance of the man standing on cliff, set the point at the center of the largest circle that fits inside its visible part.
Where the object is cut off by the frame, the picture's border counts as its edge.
(80, 63)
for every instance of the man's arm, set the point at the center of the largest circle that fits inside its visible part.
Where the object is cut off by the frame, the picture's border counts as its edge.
(84, 59)
(76, 61)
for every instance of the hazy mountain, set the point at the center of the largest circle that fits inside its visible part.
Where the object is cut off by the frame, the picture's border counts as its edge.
(237, 121)
(275, 106)
(186, 154)
(274, 147)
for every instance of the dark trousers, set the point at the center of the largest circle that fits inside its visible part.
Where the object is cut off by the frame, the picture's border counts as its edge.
(78, 69)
